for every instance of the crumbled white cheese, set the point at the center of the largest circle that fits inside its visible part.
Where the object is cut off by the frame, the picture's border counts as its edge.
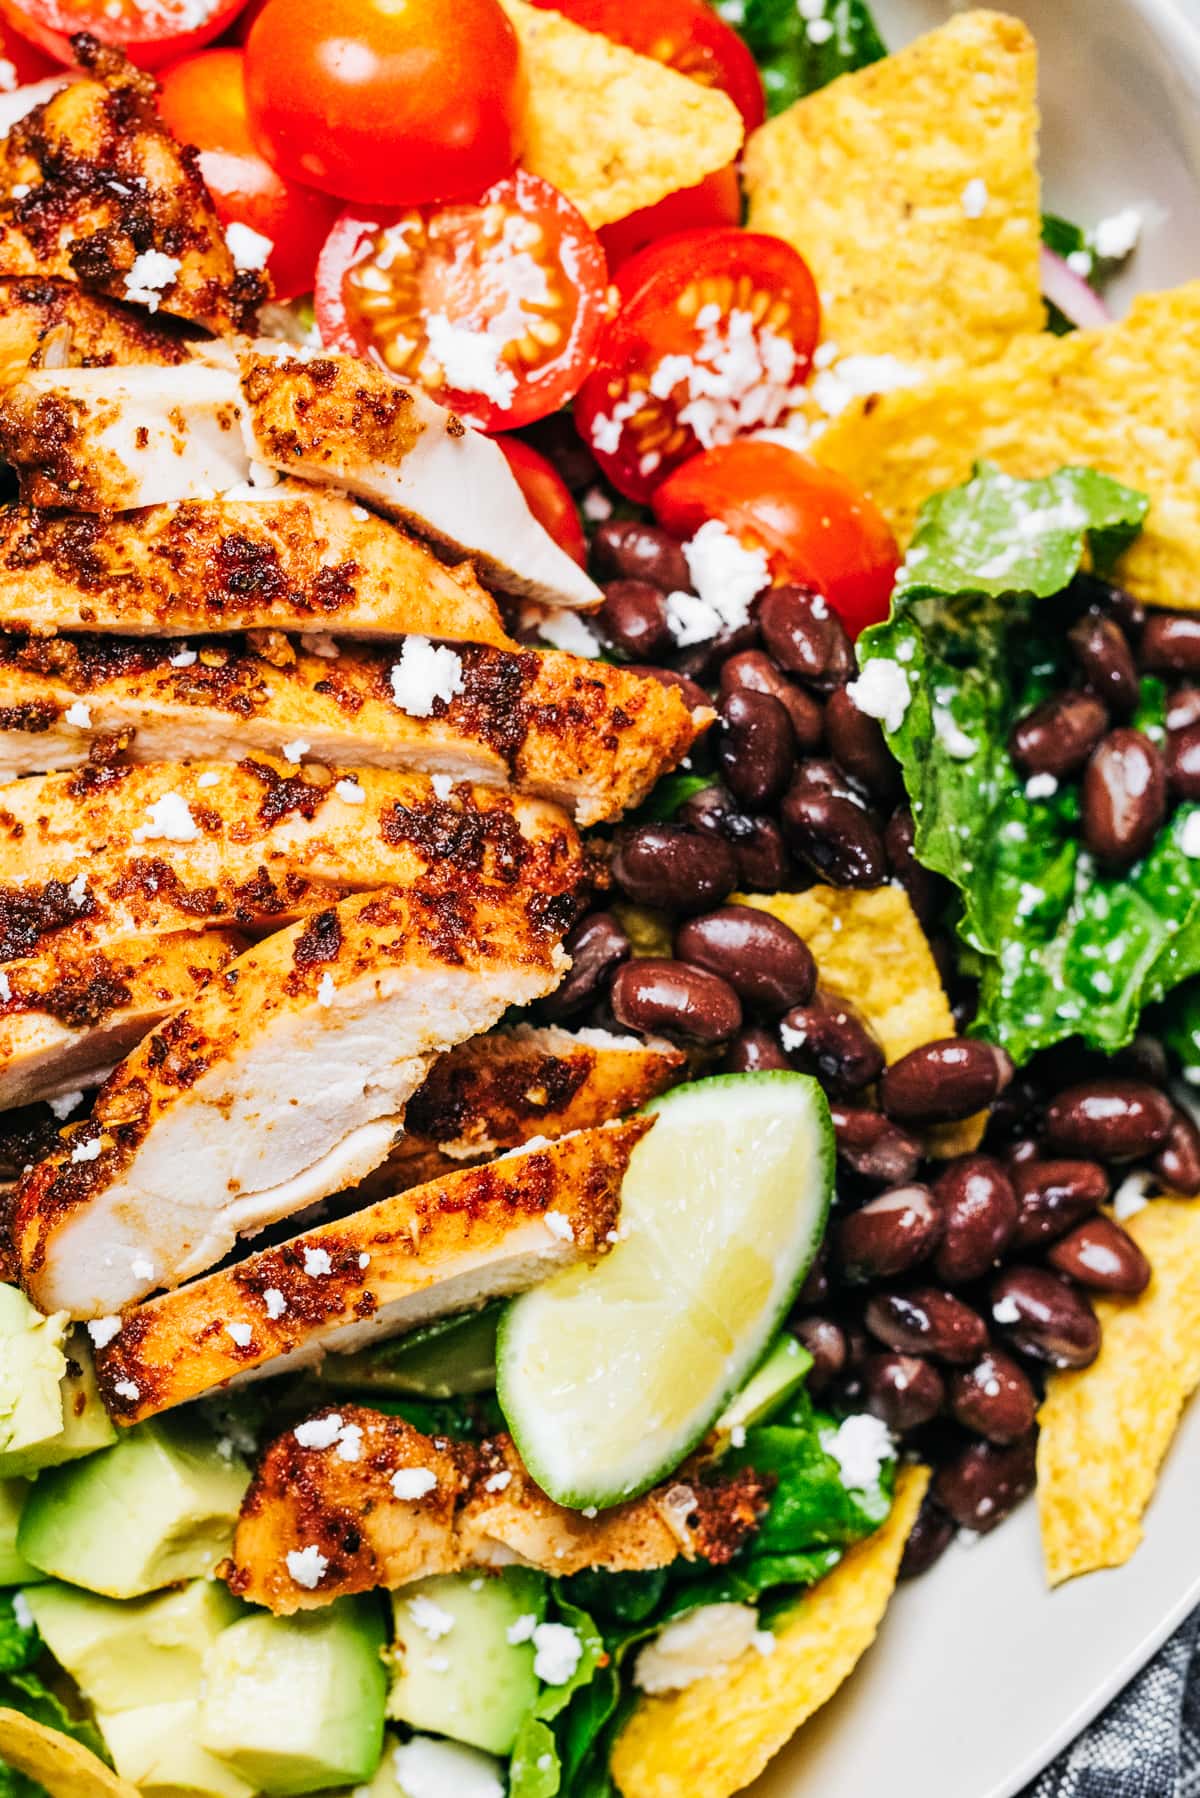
(249, 249)
(1189, 836)
(565, 630)
(21, 1611)
(184, 659)
(364, 1259)
(8, 81)
(691, 620)
(1041, 786)
(443, 786)
(974, 197)
(557, 1652)
(1006, 1310)
(296, 750)
(950, 734)
(307, 1566)
(1131, 1196)
(349, 1443)
(128, 1389)
(860, 1445)
(725, 574)
(471, 360)
(522, 1630)
(559, 1226)
(79, 714)
(86, 1151)
(317, 1262)
(77, 891)
(65, 1103)
(737, 1436)
(1081, 262)
(1116, 237)
(427, 1768)
(5, 996)
(241, 1334)
(168, 819)
(835, 386)
(275, 1302)
(819, 31)
(498, 1482)
(325, 989)
(432, 1619)
(210, 778)
(141, 1268)
(596, 506)
(703, 1642)
(882, 691)
(319, 1432)
(151, 273)
(792, 1036)
(425, 674)
(103, 1329)
(351, 792)
(413, 1482)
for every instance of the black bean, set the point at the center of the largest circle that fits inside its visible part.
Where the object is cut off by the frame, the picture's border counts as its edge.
(1183, 762)
(597, 947)
(1024, 1150)
(985, 1481)
(1171, 643)
(1099, 1254)
(1105, 661)
(817, 1285)
(758, 848)
(1177, 1163)
(928, 1540)
(701, 660)
(828, 1038)
(673, 869)
(1058, 736)
(927, 892)
(979, 1214)
(626, 550)
(768, 966)
(1144, 1058)
(994, 1397)
(1183, 708)
(857, 742)
(660, 997)
(873, 1147)
(945, 1080)
(1108, 1120)
(925, 1320)
(834, 835)
(756, 748)
(826, 1343)
(805, 636)
(754, 1051)
(903, 1391)
(750, 671)
(1053, 1196)
(888, 1235)
(633, 619)
(1124, 797)
(1044, 1317)
(695, 698)
(1118, 602)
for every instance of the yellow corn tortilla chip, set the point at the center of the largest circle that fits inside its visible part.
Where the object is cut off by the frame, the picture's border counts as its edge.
(870, 949)
(1106, 1428)
(718, 1734)
(612, 130)
(911, 189)
(65, 1767)
(1124, 399)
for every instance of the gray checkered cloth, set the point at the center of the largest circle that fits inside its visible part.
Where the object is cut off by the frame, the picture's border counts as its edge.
(1147, 1743)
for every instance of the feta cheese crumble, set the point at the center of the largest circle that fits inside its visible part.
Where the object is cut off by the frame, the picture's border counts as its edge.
(65, 1103)
(275, 1302)
(102, 1330)
(307, 1566)
(860, 1446)
(1006, 1310)
(882, 691)
(693, 1647)
(950, 734)
(325, 990)
(1131, 1196)
(413, 1482)
(168, 820)
(1189, 836)
(559, 1226)
(317, 1262)
(184, 659)
(431, 1619)
(498, 1482)
(1117, 236)
(242, 1334)
(557, 1653)
(5, 996)
(79, 714)
(351, 792)
(86, 1151)
(249, 248)
(296, 750)
(151, 274)
(471, 360)
(429, 1768)
(522, 1630)
(128, 1389)
(974, 198)
(563, 629)
(77, 891)
(425, 674)
(1041, 786)
(319, 1432)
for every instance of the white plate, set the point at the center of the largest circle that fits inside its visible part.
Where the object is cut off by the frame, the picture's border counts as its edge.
(980, 1675)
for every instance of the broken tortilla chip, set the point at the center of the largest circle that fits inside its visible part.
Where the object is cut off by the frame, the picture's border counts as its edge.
(1106, 1428)
(910, 188)
(870, 949)
(718, 1734)
(63, 1766)
(613, 130)
(1124, 399)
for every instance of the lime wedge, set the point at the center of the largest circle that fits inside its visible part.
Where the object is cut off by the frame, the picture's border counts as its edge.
(610, 1375)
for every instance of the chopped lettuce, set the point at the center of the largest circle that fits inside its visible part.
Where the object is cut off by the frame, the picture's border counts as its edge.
(799, 50)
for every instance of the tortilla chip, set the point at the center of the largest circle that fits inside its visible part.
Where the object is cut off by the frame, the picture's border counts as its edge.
(867, 178)
(717, 1735)
(870, 949)
(65, 1767)
(612, 130)
(1124, 399)
(1106, 1428)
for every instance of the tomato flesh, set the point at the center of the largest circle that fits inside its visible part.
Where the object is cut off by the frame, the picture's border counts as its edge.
(390, 102)
(815, 526)
(151, 32)
(494, 308)
(547, 496)
(714, 337)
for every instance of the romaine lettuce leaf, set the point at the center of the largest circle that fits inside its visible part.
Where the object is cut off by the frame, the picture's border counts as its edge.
(797, 54)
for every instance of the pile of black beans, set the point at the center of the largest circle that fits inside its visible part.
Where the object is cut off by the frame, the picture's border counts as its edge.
(946, 1288)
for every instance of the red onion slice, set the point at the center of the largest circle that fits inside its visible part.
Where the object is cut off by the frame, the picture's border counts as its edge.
(1071, 293)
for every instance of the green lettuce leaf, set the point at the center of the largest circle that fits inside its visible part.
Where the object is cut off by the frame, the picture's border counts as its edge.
(539, 1767)
(794, 54)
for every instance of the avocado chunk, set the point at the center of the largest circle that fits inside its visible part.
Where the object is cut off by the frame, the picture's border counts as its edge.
(773, 1381)
(455, 1670)
(453, 1356)
(84, 1425)
(158, 1507)
(154, 1746)
(294, 1704)
(144, 1652)
(32, 1365)
(15, 1570)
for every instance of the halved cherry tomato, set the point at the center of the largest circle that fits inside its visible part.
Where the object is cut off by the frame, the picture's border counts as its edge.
(151, 32)
(547, 496)
(687, 35)
(494, 308)
(20, 63)
(713, 202)
(203, 102)
(814, 524)
(715, 332)
(393, 102)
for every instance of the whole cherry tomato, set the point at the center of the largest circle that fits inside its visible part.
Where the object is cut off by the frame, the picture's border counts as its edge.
(151, 32)
(713, 202)
(547, 496)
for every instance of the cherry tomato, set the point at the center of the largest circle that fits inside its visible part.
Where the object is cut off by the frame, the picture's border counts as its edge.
(203, 102)
(687, 35)
(392, 102)
(547, 496)
(494, 308)
(715, 332)
(151, 32)
(20, 63)
(814, 524)
(713, 202)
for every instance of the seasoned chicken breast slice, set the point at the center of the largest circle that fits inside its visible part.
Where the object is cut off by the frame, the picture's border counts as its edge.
(54, 324)
(481, 1509)
(67, 1015)
(286, 558)
(93, 188)
(591, 737)
(475, 1234)
(112, 852)
(283, 1082)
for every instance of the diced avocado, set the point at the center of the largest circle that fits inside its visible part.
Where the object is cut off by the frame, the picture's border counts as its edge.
(127, 1654)
(440, 1360)
(14, 1568)
(158, 1507)
(773, 1382)
(455, 1670)
(294, 1704)
(155, 1748)
(32, 1365)
(84, 1426)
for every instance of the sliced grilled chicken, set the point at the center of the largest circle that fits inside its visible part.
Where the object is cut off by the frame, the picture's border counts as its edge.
(592, 738)
(93, 188)
(426, 1253)
(66, 1018)
(47, 324)
(112, 852)
(285, 1081)
(480, 1509)
(286, 558)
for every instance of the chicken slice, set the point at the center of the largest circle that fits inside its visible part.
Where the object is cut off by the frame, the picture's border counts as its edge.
(284, 1081)
(117, 851)
(591, 737)
(430, 1252)
(286, 558)
(481, 1510)
(93, 188)
(49, 324)
(66, 1016)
